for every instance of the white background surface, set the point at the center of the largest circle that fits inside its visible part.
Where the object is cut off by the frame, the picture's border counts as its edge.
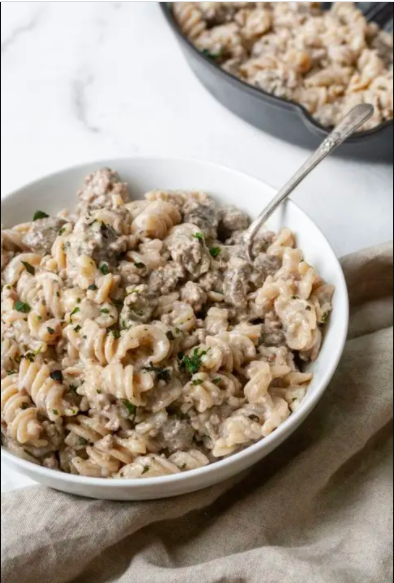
(90, 80)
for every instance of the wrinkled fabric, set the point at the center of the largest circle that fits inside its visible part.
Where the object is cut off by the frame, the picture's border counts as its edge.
(319, 509)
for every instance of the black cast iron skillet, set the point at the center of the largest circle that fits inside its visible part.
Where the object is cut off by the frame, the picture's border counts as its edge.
(285, 119)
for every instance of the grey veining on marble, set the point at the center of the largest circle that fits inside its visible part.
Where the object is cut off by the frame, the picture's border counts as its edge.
(22, 29)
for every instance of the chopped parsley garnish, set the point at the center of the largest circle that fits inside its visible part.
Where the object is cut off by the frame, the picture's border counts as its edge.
(145, 470)
(216, 381)
(29, 268)
(55, 411)
(197, 382)
(50, 330)
(25, 406)
(129, 406)
(104, 269)
(93, 287)
(79, 300)
(163, 374)
(29, 356)
(308, 308)
(118, 303)
(83, 441)
(139, 265)
(295, 298)
(324, 318)
(77, 328)
(192, 364)
(57, 376)
(199, 236)
(212, 56)
(40, 215)
(215, 251)
(104, 310)
(75, 311)
(62, 231)
(115, 333)
(22, 307)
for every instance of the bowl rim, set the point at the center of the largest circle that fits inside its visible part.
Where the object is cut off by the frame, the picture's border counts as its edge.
(276, 437)
(261, 93)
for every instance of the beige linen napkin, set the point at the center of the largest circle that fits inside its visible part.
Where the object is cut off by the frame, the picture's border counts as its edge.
(317, 510)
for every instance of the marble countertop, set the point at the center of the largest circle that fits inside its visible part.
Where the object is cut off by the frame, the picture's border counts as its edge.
(92, 80)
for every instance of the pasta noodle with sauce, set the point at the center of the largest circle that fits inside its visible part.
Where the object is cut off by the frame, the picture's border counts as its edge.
(138, 341)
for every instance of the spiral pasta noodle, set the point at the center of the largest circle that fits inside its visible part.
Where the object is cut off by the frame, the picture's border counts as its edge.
(137, 342)
(16, 411)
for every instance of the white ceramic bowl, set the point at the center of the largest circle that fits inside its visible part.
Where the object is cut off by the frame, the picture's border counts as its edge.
(58, 191)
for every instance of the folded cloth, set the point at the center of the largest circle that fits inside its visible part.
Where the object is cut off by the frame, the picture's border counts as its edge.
(317, 510)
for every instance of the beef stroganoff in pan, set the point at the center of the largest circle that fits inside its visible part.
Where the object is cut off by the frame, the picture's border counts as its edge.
(137, 341)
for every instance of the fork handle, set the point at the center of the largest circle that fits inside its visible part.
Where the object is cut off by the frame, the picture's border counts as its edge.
(347, 127)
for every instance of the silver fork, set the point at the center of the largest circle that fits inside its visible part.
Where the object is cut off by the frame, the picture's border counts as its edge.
(346, 128)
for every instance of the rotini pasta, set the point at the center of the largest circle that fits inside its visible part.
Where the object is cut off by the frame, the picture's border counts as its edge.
(138, 342)
(329, 61)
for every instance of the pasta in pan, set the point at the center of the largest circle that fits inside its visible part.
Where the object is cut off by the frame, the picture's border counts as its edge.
(138, 341)
(328, 61)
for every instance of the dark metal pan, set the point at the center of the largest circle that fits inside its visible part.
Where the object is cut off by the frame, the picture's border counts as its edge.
(285, 119)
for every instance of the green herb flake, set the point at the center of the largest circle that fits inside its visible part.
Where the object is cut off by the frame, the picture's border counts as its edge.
(295, 298)
(29, 268)
(212, 56)
(79, 300)
(75, 311)
(118, 304)
(55, 411)
(139, 265)
(197, 382)
(62, 231)
(57, 376)
(104, 269)
(77, 328)
(308, 308)
(199, 237)
(115, 333)
(104, 310)
(40, 215)
(93, 287)
(131, 409)
(145, 470)
(217, 380)
(163, 374)
(50, 330)
(25, 406)
(215, 251)
(83, 441)
(22, 307)
(192, 364)
(324, 318)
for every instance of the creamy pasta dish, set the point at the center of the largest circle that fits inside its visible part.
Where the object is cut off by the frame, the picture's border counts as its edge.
(328, 61)
(138, 341)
